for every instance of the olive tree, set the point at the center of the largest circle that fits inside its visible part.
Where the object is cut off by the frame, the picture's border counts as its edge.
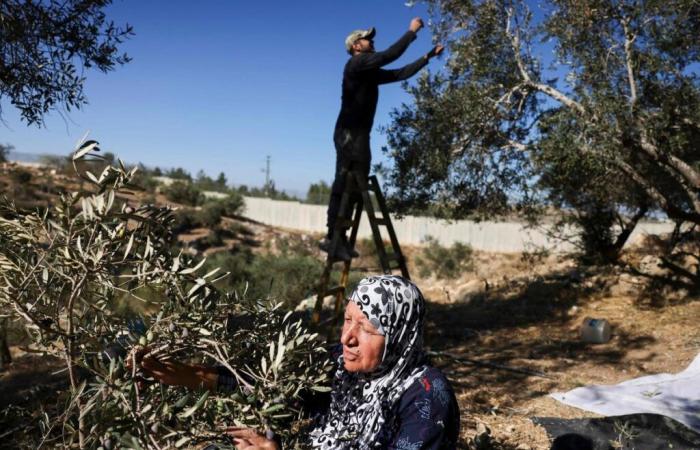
(46, 45)
(591, 106)
(63, 274)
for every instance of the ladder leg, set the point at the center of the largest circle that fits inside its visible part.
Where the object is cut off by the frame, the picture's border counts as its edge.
(338, 230)
(355, 223)
(376, 234)
(373, 184)
(322, 287)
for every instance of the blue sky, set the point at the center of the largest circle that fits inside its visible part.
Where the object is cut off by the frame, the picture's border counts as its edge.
(218, 85)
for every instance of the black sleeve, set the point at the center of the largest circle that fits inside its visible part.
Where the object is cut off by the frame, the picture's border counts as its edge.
(366, 61)
(407, 71)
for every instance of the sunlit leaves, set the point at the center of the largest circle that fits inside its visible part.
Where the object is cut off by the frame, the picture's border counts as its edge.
(67, 273)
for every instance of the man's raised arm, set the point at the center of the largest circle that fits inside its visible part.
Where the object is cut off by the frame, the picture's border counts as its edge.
(366, 61)
(407, 71)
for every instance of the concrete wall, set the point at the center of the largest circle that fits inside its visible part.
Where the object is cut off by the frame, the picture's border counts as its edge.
(487, 236)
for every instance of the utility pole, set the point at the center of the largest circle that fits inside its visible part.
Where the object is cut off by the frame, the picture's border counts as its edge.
(267, 175)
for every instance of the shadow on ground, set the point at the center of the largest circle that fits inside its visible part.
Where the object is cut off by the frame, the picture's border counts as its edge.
(517, 328)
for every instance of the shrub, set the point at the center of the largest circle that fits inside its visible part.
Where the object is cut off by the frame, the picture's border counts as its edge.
(232, 205)
(238, 229)
(210, 214)
(444, 262)
(62, 274)
(184, 220)
(183, 193)
(213, 239)
(145, 181)
(236, 263)
(5, 151)
(287, 277)
(21, 176)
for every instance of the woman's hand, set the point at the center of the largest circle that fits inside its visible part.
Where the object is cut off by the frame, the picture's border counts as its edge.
(172, 373)
(249, 439)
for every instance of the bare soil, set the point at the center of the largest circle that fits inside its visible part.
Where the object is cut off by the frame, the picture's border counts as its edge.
(517, 311)
(534, 326)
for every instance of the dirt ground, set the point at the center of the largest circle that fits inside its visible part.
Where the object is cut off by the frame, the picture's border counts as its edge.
(517, 311)
(531, 320)
(528, 318)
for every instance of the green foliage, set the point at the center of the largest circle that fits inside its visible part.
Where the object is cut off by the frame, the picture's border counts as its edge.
(5, 150)
(215, 238)
(179, 174)
(318, 193)
(444, 262)
(64, 274)
(230, 206)
(47, 46)
(266, 192)
(206, 183)
(184, 220)
(144, 180)
(210, 214)
(287, 277)
(604, 131)
(184, 193)
(21, 176)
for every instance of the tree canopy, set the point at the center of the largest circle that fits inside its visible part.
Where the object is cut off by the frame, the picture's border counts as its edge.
(47, 44)
(591, 105)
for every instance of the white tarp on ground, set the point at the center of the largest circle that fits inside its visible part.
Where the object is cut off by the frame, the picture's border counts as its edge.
(672, 395)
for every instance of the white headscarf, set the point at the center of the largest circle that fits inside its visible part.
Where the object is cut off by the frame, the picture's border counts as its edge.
(363, 404)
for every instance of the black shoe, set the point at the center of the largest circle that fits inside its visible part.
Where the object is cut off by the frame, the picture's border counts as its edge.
(351, 251)
(341, 252)
(325, 244)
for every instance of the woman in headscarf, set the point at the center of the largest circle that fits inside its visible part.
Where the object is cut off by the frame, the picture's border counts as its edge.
(384, 394)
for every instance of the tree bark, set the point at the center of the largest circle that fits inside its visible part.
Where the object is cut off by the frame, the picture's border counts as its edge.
(627, 230)
(5, 356)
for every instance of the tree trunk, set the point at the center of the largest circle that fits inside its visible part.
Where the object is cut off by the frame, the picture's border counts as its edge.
(627, 231)
(75, 383)
(5, 357)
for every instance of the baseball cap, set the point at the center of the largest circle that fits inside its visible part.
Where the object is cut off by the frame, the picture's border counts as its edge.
(358, 34)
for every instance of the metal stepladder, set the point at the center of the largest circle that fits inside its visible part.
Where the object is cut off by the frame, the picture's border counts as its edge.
(394, 259)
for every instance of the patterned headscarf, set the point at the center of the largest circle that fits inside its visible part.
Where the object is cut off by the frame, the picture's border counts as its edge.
(363, 404)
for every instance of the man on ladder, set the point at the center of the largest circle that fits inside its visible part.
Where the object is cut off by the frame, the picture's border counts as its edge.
(362, 76)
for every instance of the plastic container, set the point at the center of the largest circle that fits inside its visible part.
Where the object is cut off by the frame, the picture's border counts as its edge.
(595, 331)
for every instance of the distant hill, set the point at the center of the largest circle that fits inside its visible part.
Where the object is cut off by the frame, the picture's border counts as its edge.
(27, 157)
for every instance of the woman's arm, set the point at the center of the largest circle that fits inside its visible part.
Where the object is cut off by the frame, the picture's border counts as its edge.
(428, 415)
(174, 373)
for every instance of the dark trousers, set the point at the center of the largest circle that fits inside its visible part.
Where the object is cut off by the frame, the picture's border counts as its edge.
(352, 153)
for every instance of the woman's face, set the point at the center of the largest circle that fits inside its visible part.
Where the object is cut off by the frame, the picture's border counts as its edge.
(363, 346)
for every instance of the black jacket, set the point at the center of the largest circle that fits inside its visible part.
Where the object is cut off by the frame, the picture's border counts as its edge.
(361, 79)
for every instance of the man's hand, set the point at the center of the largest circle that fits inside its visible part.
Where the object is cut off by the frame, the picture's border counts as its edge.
(416, 24)
(435, 51)
(246, 438)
